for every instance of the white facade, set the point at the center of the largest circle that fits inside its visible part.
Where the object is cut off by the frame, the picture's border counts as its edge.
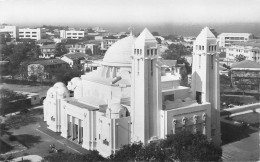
(250, 50)
(28, 33)
(128, 99)
(72, 34)
(12, 30)
(226, 39)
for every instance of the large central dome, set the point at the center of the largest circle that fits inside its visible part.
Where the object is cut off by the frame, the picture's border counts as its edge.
(120, 52)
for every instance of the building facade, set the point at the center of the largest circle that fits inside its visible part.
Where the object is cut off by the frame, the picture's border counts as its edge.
(251, 50)
(28, 33)
(12, 30)
(226, 39)
(72, 34)
(129, 99)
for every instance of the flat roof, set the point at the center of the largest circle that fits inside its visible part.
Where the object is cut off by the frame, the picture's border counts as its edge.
(75, 102)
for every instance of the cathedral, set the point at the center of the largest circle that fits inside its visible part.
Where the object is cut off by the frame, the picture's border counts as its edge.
(132, 98)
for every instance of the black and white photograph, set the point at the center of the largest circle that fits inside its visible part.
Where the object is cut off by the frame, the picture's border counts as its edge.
(129, 80)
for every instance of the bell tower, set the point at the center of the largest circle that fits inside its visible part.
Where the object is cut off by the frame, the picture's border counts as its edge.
(145, 88)
(205, 77)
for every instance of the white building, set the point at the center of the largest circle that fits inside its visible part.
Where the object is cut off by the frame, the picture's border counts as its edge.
(129, 99)
(28, 33)
(72, 34)
(12, 30)
(226, 39)
(251, 50)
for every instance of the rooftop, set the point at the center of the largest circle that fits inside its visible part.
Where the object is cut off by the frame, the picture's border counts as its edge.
(234, 34)
(247, 64)
(48, 46)
(169, 63)
(75, 56)
(49, 62)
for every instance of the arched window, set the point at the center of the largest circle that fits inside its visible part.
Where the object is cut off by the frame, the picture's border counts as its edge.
(155, 51)
(137, 51)
(151, 52)
(202, 47)
(199, 47)
(148, 52)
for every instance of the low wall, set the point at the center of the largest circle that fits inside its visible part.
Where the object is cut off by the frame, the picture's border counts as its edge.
(238, 109)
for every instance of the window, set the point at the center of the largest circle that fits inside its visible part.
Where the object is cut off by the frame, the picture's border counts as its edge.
(202, 47)
(33, 35)
(148, 52)
(33, 32)
(169, 97)
(215, 48)
(140, 51)
(137, 51)
(196, 47)
(155, 51)
(209, 48)
(27, 32)
(151, 52)
(199, 47)
(199, 61)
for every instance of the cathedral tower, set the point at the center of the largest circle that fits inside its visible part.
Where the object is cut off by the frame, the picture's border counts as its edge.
(145, 88)
(205, 77)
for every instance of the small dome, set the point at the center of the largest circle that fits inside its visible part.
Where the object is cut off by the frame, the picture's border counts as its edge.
(59, 84)
(50, 91)
(62, 91)
(75, 79)
(120, 51)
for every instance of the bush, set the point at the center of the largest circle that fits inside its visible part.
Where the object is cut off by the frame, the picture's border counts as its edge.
(12, 138)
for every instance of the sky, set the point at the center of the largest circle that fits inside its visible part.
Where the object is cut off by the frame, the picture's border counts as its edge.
(84, 12)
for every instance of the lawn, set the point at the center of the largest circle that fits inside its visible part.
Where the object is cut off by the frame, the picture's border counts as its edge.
(41, 90)
(249, 118)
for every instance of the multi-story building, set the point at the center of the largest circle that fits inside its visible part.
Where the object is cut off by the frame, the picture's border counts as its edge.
(128, 98)
(106, 43)
(251, 50)
(91, 49)
(12, 30)
(48, 51)
(226, 39)
(28, 33)
(72, 34)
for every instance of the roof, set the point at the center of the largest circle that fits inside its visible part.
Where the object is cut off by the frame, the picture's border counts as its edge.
(169, 63)
(234, 34)
(75, 56)
(49, 62)
(245, 65)
(145, 36)
(205, 34)
(44, 41)
(48, 46)
(253, 44)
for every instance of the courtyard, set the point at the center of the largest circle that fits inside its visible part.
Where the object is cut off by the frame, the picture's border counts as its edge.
(31, 137)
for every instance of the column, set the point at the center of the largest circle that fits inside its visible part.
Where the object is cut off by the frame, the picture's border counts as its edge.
(73, 131)
(174, 123)
(195, 122)
(79, 131)
(204, 118)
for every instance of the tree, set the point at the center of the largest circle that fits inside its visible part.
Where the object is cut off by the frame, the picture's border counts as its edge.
(6, 96)
(159, 41)
(243, 85)
(60, 49)
(240, 58)
(92, 156)
(33, 78)
(182, 146)
(175, 51)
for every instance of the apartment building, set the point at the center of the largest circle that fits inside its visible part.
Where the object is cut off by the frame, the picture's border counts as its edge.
(251, 50)
(226, 39)
(91, 49)
(72, 34)
(12, 30)
(29, 33)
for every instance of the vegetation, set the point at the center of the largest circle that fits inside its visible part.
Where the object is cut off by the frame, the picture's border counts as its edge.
(175, 51)
(183, 146)
(243, 85)
(240, 58)
(6, 96)
(93, 156)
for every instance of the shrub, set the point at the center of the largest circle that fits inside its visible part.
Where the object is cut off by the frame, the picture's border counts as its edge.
(12, 138)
